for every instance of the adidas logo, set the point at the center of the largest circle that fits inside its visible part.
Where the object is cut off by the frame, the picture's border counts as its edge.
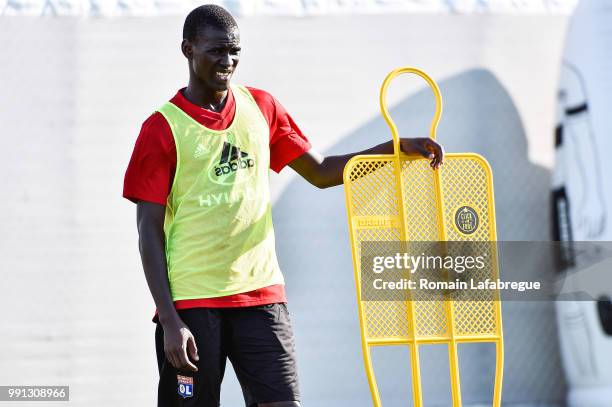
(200, 151)
(232, 160)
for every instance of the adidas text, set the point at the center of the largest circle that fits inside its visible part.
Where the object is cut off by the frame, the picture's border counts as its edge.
(234, 166)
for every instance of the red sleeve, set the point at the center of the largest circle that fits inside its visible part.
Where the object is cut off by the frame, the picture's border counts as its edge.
(151, 169)
(287, 142)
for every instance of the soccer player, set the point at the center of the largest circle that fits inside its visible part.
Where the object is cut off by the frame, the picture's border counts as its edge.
(199, 176)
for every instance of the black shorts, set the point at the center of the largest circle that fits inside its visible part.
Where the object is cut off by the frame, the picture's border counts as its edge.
(257, 340)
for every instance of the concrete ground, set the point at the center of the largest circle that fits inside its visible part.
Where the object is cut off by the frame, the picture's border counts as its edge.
(75, 308)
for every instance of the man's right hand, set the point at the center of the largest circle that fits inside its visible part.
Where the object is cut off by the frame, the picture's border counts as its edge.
(179, 343)
(180, 346)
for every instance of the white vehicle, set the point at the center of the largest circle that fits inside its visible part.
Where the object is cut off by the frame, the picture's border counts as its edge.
(582, 199)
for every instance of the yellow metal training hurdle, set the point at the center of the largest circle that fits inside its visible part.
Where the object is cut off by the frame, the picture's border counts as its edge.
(397, 197)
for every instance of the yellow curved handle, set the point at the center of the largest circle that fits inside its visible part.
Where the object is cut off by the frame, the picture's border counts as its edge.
(383, 102)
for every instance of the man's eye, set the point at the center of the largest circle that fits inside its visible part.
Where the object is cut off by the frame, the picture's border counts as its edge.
(220, 51)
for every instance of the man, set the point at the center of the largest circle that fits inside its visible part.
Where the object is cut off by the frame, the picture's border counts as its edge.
(199, 175)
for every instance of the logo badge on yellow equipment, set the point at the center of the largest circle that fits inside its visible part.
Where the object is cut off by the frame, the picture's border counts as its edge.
(466, 219)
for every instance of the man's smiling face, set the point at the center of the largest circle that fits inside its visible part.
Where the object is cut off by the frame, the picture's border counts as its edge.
(213, 57)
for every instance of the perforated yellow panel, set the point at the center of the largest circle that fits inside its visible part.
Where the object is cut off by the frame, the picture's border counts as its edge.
(419, 204)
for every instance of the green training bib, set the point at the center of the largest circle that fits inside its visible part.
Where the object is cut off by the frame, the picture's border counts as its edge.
(218, 224)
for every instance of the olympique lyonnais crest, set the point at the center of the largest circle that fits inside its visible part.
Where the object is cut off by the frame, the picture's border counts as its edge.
(185, 386)
(466, 220)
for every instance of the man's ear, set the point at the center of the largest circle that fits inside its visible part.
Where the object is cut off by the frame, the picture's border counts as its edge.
(187, 49)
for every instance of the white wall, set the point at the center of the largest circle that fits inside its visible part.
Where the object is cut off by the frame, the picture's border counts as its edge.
(113, 8)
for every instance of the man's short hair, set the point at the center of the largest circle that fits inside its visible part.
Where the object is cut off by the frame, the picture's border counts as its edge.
(207, 16)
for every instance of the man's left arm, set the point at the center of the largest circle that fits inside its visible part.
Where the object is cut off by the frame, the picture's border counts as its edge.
(325, 172)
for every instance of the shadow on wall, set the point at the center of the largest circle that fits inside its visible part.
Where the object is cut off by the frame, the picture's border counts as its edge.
(314, 252)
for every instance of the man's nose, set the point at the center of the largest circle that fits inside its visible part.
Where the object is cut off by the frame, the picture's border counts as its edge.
(226, 60)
